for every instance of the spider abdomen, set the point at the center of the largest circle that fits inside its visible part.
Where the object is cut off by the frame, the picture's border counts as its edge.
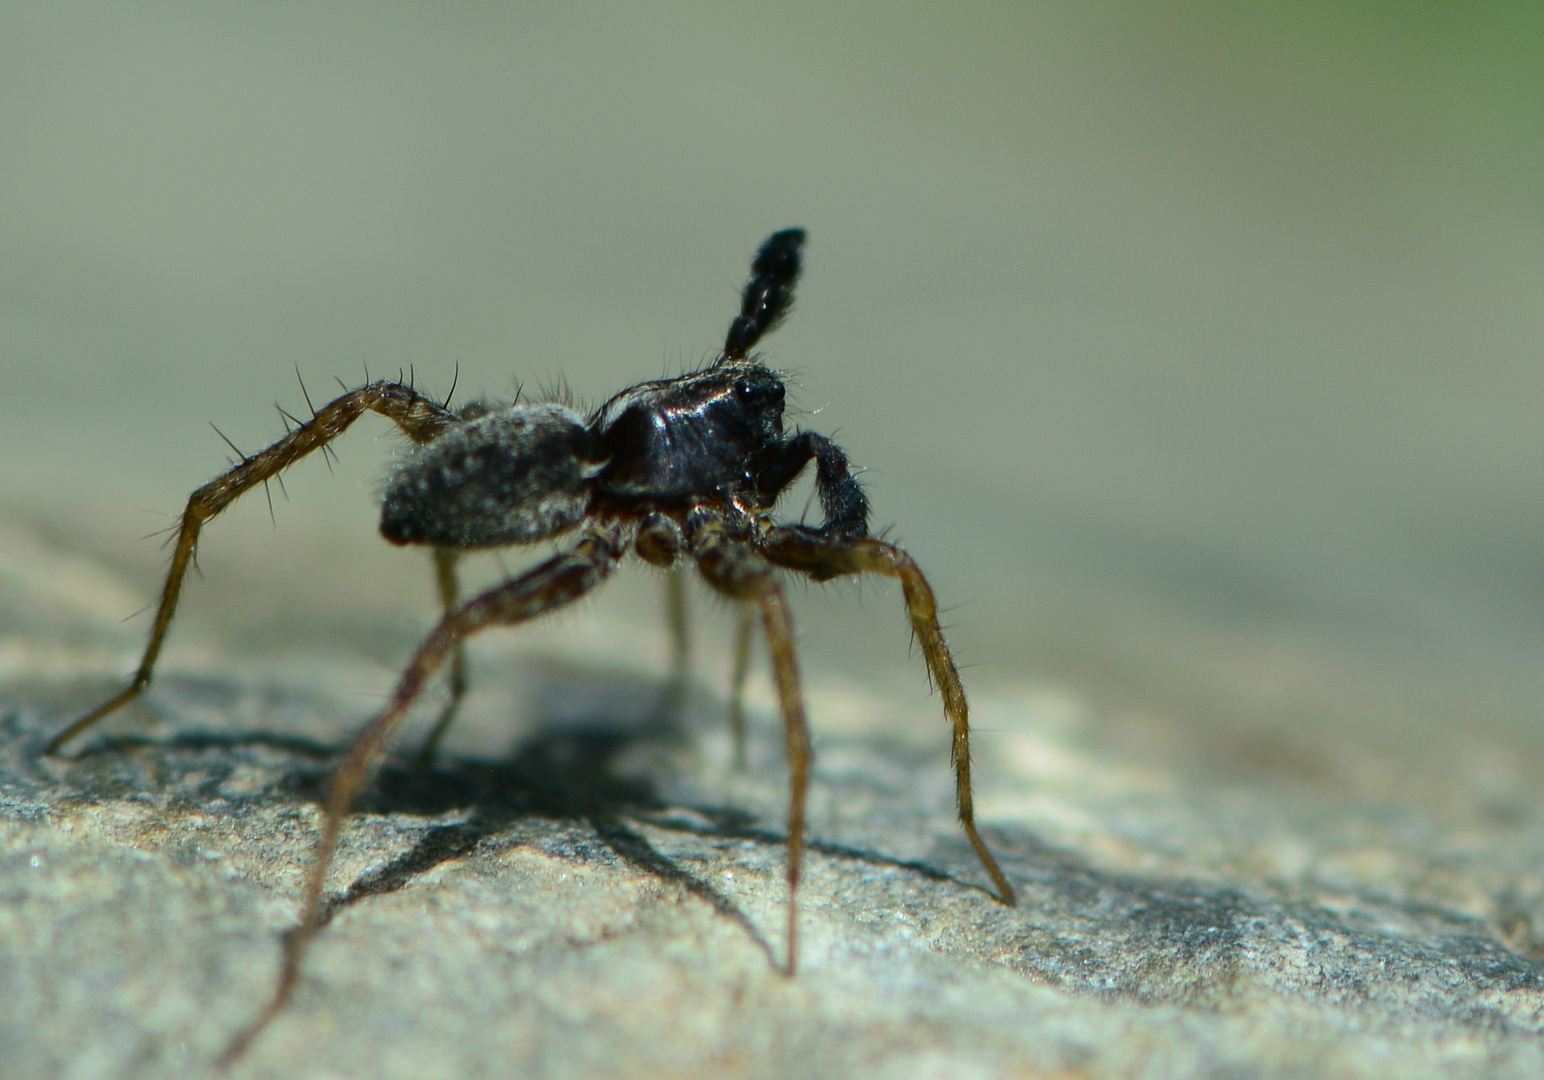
(513, 476)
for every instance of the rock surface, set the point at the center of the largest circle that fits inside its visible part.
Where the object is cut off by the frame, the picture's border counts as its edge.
(584, 887)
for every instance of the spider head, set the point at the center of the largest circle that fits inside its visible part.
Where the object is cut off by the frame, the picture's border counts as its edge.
(676, 439)
(751, 400)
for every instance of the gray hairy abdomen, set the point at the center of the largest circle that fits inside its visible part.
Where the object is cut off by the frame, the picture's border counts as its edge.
(510, 477)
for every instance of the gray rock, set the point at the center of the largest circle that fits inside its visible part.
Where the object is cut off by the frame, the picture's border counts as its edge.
(583, 887)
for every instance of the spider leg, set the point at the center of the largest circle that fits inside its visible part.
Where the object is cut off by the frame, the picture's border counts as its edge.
(418, 416)
(742, 663)
(680, 631)
(668, 708)
(445, 560)
(842, 502)
(824, 557)
(736, 569)
(556, 582)
(659, 542)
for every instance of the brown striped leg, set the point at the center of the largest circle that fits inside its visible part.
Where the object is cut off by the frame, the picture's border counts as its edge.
(823, 558)
(658, 541)
(735, 569)
(445, 560)
(415, 414)
(680, 630)
(742, 663)
(556, 582)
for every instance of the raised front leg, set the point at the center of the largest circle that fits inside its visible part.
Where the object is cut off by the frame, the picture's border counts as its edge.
(417, 415)
(768, 295)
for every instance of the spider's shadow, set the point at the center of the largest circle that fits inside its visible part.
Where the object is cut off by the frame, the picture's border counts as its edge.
(568, 769)
(579, 764)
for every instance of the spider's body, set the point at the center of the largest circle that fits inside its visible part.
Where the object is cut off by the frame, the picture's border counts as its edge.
(711, 438)
(671, 441)
(683, 470)
(526, 472)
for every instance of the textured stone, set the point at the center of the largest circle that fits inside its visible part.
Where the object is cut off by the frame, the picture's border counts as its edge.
(583, 887)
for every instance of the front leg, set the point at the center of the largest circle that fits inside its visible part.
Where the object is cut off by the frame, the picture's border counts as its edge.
(737, 570)
(823, 558)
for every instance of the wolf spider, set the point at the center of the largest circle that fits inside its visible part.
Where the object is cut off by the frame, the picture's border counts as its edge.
(676, 470)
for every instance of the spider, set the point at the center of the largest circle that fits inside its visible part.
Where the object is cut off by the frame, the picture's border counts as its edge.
(676, 471)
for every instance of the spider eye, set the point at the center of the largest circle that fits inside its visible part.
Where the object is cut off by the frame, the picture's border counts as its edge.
(752, 391)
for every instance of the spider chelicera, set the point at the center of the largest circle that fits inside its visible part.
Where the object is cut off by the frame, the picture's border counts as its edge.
(675, 471)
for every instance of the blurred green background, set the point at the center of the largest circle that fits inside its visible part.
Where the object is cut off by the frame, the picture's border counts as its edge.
(1192, 348)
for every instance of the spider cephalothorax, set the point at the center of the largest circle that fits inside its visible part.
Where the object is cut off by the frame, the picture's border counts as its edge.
(682, 471)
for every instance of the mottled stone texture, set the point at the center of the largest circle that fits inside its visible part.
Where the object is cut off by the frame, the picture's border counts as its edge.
(583, 887)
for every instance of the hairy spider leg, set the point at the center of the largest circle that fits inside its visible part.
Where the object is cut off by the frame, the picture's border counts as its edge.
(843, 504)
(445, 560)
(736, 569)
(826, 557)
(742, 664)
(678, 625)
(555, 583)
(676, 617)
(418, 416)
(676, 622)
